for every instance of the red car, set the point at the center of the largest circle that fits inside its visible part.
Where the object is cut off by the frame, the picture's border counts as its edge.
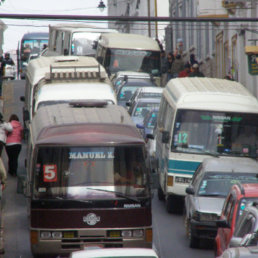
(238, 198)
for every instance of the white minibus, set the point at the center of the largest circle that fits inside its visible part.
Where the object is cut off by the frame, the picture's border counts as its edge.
(129, 52)
(201, 117)
(69, 71)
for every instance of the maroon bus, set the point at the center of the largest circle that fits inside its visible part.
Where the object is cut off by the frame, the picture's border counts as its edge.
(87, 180)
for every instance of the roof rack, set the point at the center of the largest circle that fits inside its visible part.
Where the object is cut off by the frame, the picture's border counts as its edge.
(69, 72)
(88, 103)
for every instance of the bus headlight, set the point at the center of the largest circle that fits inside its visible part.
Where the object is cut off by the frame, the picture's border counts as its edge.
(57, 235)
(126, 233)
(138, 233)
(45, 234)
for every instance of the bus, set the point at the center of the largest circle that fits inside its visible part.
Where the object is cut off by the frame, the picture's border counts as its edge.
(74, 39)
(55, 79)
(86, 180)
(129, 52)
(198, 118)
(31, 44)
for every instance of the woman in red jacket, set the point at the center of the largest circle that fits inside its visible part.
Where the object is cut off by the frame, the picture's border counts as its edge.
(14, 144)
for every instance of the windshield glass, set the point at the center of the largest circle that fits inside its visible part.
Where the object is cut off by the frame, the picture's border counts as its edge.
(127, 92)
(133, 60)
(219, 184)
(32, 46)
(83, 43)
(90, 172)
(151, 120)
(227, 133)
(143, 108)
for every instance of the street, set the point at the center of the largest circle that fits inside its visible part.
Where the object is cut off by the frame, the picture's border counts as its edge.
(169, 234)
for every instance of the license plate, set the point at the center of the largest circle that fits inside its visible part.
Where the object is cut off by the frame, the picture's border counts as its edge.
(92, 246)
(183, 180)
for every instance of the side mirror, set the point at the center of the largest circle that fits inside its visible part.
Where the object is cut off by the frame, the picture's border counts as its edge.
(189, 190)
(222, 224)
(22, 98)
(165, 137)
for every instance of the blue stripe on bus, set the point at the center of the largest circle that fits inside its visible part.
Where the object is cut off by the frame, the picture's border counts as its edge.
(182, 166)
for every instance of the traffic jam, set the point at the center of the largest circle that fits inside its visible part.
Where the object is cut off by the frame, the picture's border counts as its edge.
(106, 129)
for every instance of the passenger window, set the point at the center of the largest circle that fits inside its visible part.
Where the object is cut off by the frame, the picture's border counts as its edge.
(227, 206)
(231, 213)
(196, 173)
(246, 227)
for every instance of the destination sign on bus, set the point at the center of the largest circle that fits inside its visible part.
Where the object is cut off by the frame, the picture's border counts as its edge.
(91, 155)
(221, 118)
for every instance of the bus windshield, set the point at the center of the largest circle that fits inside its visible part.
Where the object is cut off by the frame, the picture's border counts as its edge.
(90, 172)
(133, 60)
(227, 133)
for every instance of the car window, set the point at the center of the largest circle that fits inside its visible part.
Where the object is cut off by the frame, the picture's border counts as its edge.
(143, 108)
(232, 212)
(227, 205)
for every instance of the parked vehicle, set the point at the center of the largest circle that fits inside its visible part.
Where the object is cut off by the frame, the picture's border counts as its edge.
(127, 88)
(237, 200)
(86, 179)
(140, 108)
(208, 190)
(200, 117)
(116, 253)
(129, 52)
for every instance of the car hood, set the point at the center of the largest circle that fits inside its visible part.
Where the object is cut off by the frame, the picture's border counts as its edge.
(209, 204)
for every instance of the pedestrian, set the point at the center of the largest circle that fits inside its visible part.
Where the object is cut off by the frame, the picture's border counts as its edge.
(177, 66)
(14, 144)
(170, 60)
(186, 71)
(196, 72)
(5, 127)
(193, 60)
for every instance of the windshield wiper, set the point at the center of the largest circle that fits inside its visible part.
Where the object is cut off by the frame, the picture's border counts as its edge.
(119, 194)
(76, 200)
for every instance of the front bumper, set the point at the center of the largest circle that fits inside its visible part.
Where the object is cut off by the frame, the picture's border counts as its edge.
(203, 230)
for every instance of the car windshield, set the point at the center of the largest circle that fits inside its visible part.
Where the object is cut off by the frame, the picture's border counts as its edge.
(228, 133)
(90, 172)
(142, 108)
(219, 184)
(151, 120)
(133, 60)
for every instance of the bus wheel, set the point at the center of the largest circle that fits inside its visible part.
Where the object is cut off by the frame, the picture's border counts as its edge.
(194, 241)
(161, 195)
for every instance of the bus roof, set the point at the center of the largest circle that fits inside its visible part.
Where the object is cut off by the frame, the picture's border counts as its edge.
(65, 124)
(75, 91)
(128, 41)
(210, 94)
(39, 68)
(35, 35)
(78, 27)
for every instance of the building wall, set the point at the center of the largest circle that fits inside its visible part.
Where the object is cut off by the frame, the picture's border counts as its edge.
(219, 47)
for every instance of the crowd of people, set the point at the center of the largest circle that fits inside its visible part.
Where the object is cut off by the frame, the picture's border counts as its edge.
(174, 66)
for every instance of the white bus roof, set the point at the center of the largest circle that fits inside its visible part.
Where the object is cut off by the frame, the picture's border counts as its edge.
(128, 41)
(210, 94)
(78, 27)
(39, 68)
(75, 91)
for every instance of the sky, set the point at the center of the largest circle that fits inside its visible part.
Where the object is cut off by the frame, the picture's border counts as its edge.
(16, 28)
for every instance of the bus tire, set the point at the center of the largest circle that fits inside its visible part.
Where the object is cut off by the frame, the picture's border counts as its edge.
(170, 204)
(161, 195)
(194, 242)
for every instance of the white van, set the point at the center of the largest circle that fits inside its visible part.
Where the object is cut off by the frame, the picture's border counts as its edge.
(198, 118)
(55, 71)
(129, 52)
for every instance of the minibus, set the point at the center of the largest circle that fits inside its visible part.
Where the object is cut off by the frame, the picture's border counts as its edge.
(57, 71)
(87, 183)
(129, 52)
(201, 117)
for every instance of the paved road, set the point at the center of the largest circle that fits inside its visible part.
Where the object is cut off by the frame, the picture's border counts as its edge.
(169, 234)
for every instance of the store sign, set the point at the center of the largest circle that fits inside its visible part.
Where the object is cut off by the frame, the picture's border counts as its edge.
(211, 8)
(253, 64)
